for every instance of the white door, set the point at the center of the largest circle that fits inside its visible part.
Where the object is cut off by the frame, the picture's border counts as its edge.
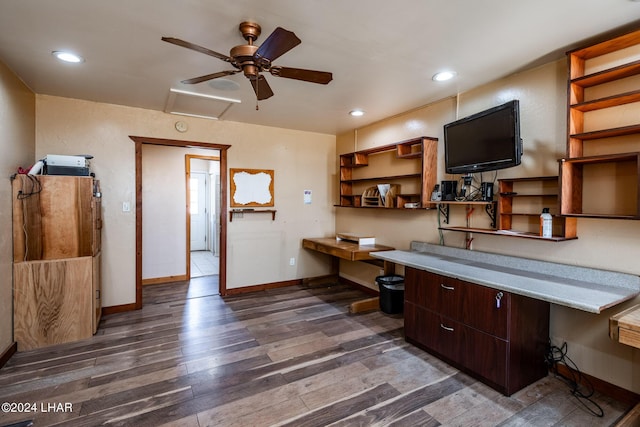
(198, 210)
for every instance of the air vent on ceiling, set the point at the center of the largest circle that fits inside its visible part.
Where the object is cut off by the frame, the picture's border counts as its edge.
(195, 104)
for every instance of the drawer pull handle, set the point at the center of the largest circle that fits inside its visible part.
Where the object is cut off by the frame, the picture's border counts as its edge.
(446, 328)
(449, 288)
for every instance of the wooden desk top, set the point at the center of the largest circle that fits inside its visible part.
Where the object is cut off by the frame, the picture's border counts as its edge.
(343, 249)
(624, 327)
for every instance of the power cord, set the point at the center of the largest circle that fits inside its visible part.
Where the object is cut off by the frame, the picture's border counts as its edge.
(557, 355)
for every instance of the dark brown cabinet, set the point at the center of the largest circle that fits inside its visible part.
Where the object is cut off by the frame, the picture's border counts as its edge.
(495, 336)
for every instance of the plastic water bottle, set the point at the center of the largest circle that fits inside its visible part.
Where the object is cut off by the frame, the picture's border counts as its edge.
(546, 223)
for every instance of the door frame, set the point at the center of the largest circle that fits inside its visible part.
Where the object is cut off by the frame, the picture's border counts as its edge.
(139, 140)
(187, 160)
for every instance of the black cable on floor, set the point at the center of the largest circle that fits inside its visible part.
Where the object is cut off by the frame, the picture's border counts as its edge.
(557, 355)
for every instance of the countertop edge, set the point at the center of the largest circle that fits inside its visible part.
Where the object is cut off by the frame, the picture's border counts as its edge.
(623, 293)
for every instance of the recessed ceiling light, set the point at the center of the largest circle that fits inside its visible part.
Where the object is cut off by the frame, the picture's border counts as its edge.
(443, 76)
(356, 113)
(67, 56)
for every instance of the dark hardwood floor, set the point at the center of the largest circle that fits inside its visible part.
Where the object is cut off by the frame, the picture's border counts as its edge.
(289, 357)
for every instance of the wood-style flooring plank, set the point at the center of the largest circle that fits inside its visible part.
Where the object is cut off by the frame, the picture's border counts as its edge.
(288, 356)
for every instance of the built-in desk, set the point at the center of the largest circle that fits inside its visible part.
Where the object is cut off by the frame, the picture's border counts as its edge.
(342, 249)
(488, 314)
(582, 288)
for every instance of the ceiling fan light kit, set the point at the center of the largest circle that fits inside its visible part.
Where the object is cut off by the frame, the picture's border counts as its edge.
(253, 60)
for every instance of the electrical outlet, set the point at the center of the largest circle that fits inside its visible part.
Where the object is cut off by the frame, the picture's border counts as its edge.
(126, 207)
(292, 261)
(381, 272)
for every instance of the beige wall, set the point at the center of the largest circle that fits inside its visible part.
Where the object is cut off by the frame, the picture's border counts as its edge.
(258, 249)
(606, 244)
(17, 145)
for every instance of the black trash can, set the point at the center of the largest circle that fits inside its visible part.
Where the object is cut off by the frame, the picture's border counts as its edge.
(391, 293)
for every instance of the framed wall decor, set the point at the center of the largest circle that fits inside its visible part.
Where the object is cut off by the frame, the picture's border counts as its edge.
(251, 188)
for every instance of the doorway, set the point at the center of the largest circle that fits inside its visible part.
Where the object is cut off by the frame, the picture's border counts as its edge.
(203, 215)
(222, 149)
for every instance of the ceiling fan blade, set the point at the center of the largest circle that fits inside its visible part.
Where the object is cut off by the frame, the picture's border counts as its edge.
(197, 48)
(277, 44)
(261, 88)
(321, 77)
(209, 77)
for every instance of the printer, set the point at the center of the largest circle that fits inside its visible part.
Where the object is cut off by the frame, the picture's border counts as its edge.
(56, 164)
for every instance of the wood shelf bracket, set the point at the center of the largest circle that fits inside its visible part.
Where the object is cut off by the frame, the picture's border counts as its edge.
(250, 211)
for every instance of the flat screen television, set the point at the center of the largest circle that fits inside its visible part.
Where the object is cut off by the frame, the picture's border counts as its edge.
(485, 141)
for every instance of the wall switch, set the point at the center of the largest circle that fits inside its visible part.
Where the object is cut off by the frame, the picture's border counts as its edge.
(292, 261)
(126, 207)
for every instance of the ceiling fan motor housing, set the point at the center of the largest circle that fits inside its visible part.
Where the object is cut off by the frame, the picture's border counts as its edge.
(242, 57)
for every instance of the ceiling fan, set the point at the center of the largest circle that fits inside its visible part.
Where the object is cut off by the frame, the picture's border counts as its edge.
(253, 60)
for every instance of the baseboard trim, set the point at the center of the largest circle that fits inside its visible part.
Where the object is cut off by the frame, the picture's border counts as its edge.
(6, 355)
(611, 390)
(118, 308)
(263, 287)
(162, 280)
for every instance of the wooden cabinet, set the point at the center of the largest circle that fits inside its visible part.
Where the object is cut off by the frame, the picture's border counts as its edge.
(520, 202)
(601, 173)
(56, 246)
(409, 167)
(495, 336)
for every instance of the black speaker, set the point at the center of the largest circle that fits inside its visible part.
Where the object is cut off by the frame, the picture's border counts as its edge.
(449, 190)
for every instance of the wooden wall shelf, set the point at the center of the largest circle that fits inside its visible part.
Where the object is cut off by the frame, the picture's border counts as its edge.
(233, 212)
(523, 199)
(409, 164)
(580, 172)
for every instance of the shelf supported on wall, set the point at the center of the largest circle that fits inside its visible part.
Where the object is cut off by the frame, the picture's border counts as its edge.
(250, 211)
(490, 209)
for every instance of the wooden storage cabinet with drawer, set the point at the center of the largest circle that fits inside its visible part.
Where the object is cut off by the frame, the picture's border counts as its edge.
(495, 336)
(57, 223)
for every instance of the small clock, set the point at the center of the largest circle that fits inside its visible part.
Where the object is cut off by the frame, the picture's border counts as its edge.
(181, 126)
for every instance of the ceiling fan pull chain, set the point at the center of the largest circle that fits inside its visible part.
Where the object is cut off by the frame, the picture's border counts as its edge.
(257, 96)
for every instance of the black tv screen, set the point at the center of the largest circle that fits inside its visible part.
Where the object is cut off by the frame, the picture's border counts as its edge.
(485, 141)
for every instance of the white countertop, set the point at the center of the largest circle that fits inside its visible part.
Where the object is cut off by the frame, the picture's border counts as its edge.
(586, 289)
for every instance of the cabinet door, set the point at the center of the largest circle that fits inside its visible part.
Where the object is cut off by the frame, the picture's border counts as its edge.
(484, 308)
(97, 293)
(52, 302)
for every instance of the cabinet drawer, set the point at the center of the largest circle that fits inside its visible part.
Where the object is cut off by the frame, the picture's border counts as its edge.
(434, 332)
(474, 305)
(480, 354)
(435, 292)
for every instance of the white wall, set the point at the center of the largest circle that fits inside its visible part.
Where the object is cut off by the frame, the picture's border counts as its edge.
(164, 215)
(258, 248)
(17, 145)
(606, 244)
